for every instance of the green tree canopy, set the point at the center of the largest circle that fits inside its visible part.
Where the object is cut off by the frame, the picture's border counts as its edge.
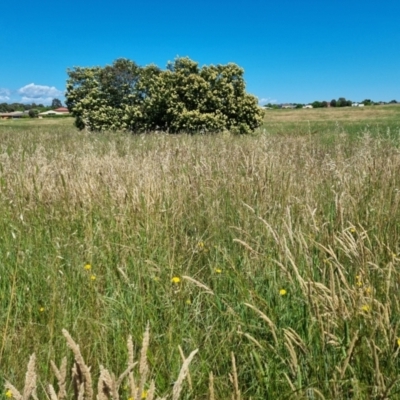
(181, 98)
(56, 103)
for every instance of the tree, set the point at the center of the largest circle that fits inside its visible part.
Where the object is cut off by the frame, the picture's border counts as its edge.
(366, 102)
(316, 104)
(56, 104)
(333, 103)
(33, 113)
(182, 98)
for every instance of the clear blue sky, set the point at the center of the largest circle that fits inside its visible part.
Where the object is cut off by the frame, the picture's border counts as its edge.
(292, 51)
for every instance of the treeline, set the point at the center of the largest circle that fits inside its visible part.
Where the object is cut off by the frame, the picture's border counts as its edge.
(182, 98)
(11, 107)
(341, 102)
(5, 107)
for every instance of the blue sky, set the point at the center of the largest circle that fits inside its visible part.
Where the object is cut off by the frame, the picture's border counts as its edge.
(292, 51)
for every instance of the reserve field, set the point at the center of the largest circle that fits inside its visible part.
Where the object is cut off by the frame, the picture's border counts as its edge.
(275, 255)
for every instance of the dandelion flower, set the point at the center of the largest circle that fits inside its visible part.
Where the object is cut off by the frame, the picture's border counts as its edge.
(92, 277)
(176, 279)
(41, 309)
(368, 290)
(353, 230)
(218, 270)
(9, 394)
(366, 308)
(144, 394)
(283, 292)
(88, 267)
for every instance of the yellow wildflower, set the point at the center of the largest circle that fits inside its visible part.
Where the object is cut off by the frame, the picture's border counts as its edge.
(218, 270)
(41, 309)
(353, 230)
(92, 277)
(398, 341)
(9, 394)
(88, 267)
(200, 245)
(366, 308)
(189, 302)
(176, 279)
(283, 292)
(144, 394)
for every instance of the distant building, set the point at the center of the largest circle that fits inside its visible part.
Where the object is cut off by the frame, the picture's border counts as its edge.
(63, 110)
(308, 106)
(57, 111)
(13, 114)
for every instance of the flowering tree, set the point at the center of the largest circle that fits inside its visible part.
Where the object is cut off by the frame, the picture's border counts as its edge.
(182, 98)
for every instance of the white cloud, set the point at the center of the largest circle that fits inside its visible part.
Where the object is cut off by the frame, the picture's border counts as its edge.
(39, 93)
(4, 94)
(37, 100)
(266, 100)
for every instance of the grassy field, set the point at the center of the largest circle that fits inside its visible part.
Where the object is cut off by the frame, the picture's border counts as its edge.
(275, 255)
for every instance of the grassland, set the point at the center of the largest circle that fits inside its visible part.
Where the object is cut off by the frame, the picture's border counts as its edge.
(281, 248)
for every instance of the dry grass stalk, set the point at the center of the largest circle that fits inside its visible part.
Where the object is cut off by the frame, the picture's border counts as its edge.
(380, 381)
(30, 382)
(295, 338)
(235, 379)
(152, 390)
(211, 386)
(189, 378)
(246, 246)
(143, 365)
(301, 281)
(132, 383)
(30, 379)
(294, 365)
(349, 354)
(267, 320)
(252, 339)
(106, 386)
(182, 374)
(14, 391)
(81, 371)
(52, 393)
(199, 284)
(61, 375)
(292, 387)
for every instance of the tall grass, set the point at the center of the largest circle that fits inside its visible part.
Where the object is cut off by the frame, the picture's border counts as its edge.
(276, 256)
